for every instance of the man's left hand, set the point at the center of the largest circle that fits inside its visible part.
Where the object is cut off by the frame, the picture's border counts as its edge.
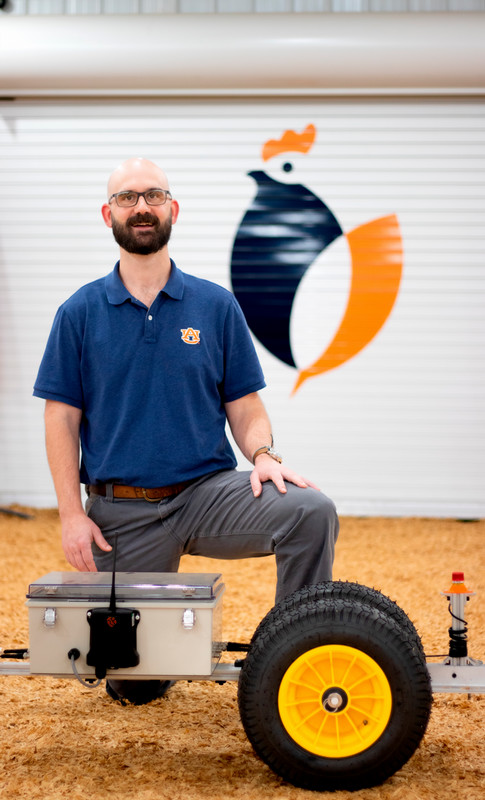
(268, 469)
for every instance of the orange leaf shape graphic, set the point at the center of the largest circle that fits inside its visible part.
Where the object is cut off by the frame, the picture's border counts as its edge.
(377, 257)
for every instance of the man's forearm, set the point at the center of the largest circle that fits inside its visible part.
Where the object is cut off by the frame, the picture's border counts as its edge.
(62, 424)
(251, 429)
(250, 424)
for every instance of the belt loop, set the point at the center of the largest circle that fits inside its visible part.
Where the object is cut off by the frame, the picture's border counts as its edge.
(109, 492)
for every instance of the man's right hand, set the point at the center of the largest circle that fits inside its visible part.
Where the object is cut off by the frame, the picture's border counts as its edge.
(78, 534)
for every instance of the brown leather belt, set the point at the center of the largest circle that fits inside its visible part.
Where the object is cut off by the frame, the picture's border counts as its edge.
(137, 492)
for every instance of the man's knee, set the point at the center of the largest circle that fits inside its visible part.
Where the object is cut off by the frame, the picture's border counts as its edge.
(316, 505)
(321, 505)
(313, 518)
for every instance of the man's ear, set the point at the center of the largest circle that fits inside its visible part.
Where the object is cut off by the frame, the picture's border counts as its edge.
(106, 212)
(175, 211)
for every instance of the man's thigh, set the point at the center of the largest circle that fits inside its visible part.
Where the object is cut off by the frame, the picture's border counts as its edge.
(224, 520)
(217, 517)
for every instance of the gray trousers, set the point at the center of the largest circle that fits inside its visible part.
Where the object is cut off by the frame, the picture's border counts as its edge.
(218, 517)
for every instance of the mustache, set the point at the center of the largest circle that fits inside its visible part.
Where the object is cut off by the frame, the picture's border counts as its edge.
(148, 218)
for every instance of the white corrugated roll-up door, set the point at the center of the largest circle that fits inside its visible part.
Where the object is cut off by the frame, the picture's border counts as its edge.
(398, 427)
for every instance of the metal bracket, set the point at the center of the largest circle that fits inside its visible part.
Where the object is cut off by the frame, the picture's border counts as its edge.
(467, 679)
(188, 619)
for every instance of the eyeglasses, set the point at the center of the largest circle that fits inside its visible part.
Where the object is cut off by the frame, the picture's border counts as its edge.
(152, 197)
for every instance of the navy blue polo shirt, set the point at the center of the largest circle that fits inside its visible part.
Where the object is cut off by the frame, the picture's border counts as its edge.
(151, 383)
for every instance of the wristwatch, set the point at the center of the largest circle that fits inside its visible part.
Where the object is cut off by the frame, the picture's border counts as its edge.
(269, 450)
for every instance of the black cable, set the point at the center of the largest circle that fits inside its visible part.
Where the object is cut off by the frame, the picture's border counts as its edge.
(89, 684)
(436, 655)
(18, 653)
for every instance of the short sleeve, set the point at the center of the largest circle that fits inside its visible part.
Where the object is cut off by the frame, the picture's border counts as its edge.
(59, 376)
(242, 370)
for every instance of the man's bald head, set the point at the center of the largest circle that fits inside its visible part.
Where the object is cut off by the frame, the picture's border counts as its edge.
(137, 172)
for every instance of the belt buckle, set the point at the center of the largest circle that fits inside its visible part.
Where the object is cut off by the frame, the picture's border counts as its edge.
(149, 499)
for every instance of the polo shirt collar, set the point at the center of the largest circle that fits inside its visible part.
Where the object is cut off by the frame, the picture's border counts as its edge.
(117, 292)
(175, 284)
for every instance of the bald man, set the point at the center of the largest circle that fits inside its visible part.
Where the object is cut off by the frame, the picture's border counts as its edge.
(143, 368)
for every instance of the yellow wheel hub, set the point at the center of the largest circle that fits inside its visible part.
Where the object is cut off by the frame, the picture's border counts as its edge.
(335, 701)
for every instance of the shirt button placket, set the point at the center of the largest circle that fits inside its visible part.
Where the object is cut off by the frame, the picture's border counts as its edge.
(149, 328)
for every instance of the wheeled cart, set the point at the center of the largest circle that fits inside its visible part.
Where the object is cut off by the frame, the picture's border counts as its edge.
(334, 688)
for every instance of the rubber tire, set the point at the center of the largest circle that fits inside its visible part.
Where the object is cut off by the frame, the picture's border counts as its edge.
(284, 638)
(344, 590)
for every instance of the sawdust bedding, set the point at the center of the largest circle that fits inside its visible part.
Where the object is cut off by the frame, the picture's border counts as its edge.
(60, 740)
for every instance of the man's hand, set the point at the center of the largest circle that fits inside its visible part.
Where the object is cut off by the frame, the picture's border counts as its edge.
(268, 469)
(78, 534)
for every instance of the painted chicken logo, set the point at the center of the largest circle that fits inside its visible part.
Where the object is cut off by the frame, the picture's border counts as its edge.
(282, 234)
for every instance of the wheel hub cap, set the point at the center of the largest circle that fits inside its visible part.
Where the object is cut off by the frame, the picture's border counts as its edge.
(335, 701)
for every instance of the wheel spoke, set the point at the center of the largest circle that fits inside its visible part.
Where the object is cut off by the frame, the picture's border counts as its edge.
(349, 718)
(300, 703)
(369, 716)
(308, 717)
(375, 696)
(307, 686)
(325, 719)
(363, 679)
(351, 663)
(338, 745)
(310, 665)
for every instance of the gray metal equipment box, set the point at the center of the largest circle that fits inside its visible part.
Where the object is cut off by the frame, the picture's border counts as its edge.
(179, 633)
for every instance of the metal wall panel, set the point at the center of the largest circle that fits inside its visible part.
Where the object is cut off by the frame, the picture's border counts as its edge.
(397, 429)
(236, 6)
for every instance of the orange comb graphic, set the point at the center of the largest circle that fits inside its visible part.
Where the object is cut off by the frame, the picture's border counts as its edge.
(290, 142)
(377, 256)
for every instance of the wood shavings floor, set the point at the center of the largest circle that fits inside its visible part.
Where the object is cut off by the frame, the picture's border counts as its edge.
(60, 740)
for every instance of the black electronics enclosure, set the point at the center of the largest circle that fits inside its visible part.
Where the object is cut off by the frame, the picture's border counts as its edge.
(112, 642)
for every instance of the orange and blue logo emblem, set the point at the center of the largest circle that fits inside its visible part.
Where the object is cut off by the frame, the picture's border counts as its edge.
(286, 228)
(190, 335)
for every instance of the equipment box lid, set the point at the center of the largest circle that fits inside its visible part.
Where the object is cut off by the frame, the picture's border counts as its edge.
(95, 586)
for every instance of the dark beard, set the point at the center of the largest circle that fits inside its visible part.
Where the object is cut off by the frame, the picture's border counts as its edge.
(144, 244)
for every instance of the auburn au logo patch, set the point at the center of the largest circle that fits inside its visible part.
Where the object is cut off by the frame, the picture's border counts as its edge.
(190, 335)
